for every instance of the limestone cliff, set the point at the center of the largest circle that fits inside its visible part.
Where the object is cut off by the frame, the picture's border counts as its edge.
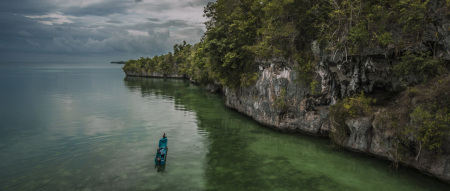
(278, 100)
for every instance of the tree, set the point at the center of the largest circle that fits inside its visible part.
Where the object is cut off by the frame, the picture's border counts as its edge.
(231, 28)
(429, 130)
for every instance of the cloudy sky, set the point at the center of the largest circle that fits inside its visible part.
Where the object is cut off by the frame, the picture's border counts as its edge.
(96, 30)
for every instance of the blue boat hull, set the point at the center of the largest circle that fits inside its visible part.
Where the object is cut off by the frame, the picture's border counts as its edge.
(160, 158)
(161, 152)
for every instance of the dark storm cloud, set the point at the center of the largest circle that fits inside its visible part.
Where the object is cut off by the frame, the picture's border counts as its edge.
(17, 33)
(106, 28)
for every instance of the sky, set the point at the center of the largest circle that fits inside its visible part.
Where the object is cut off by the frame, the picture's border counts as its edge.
(96, 30)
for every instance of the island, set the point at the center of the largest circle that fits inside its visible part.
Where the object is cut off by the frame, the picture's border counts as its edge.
(118, 62)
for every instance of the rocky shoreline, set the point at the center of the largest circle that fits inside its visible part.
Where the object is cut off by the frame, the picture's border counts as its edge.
(307, 112)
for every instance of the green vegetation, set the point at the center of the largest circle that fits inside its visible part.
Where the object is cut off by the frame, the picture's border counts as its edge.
(353, 25)
(161, 64)
(351, 107)
(422, 65)
(313, 85)
(306, 69)
(418, 120)
(280, 100)
(238, 31)
(429, 116)
(429, 129)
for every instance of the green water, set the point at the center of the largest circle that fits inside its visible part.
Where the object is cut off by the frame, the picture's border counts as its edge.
(88, 127)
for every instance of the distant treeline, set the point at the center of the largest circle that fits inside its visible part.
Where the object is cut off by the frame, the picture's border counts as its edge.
(239, 31)
(118, 62)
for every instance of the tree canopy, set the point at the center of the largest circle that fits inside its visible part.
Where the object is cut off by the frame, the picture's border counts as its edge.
(240, 31)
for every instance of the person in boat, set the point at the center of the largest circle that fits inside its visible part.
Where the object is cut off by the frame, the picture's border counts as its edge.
(160, 148)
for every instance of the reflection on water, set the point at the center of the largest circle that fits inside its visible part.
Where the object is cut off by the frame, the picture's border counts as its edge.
(89, 128)
(160, 169)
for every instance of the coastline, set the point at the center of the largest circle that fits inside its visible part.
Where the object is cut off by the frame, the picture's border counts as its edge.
(239, 104)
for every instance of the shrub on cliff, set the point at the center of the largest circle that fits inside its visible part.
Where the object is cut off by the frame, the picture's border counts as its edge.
(422, 65)
(429, 129)
(350, 107)
(418, 121)
(279, 102)
(430, 120)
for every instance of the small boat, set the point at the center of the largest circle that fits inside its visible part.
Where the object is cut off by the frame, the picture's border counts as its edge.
(161, 152)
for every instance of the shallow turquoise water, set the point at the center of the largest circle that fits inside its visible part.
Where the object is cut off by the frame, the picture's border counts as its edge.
(88, 127)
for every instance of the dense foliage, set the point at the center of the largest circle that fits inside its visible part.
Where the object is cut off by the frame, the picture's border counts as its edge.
(418, 120)
(429, 128)
(238, 31)
(422, 65)
(429, 116)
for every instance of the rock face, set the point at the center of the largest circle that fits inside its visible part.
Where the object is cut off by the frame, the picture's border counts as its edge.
(381, 142)
(280, 101)
(277, 100)
(359, 133)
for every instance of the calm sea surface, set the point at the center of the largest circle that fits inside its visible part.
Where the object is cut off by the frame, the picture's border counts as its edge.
(88, 127)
